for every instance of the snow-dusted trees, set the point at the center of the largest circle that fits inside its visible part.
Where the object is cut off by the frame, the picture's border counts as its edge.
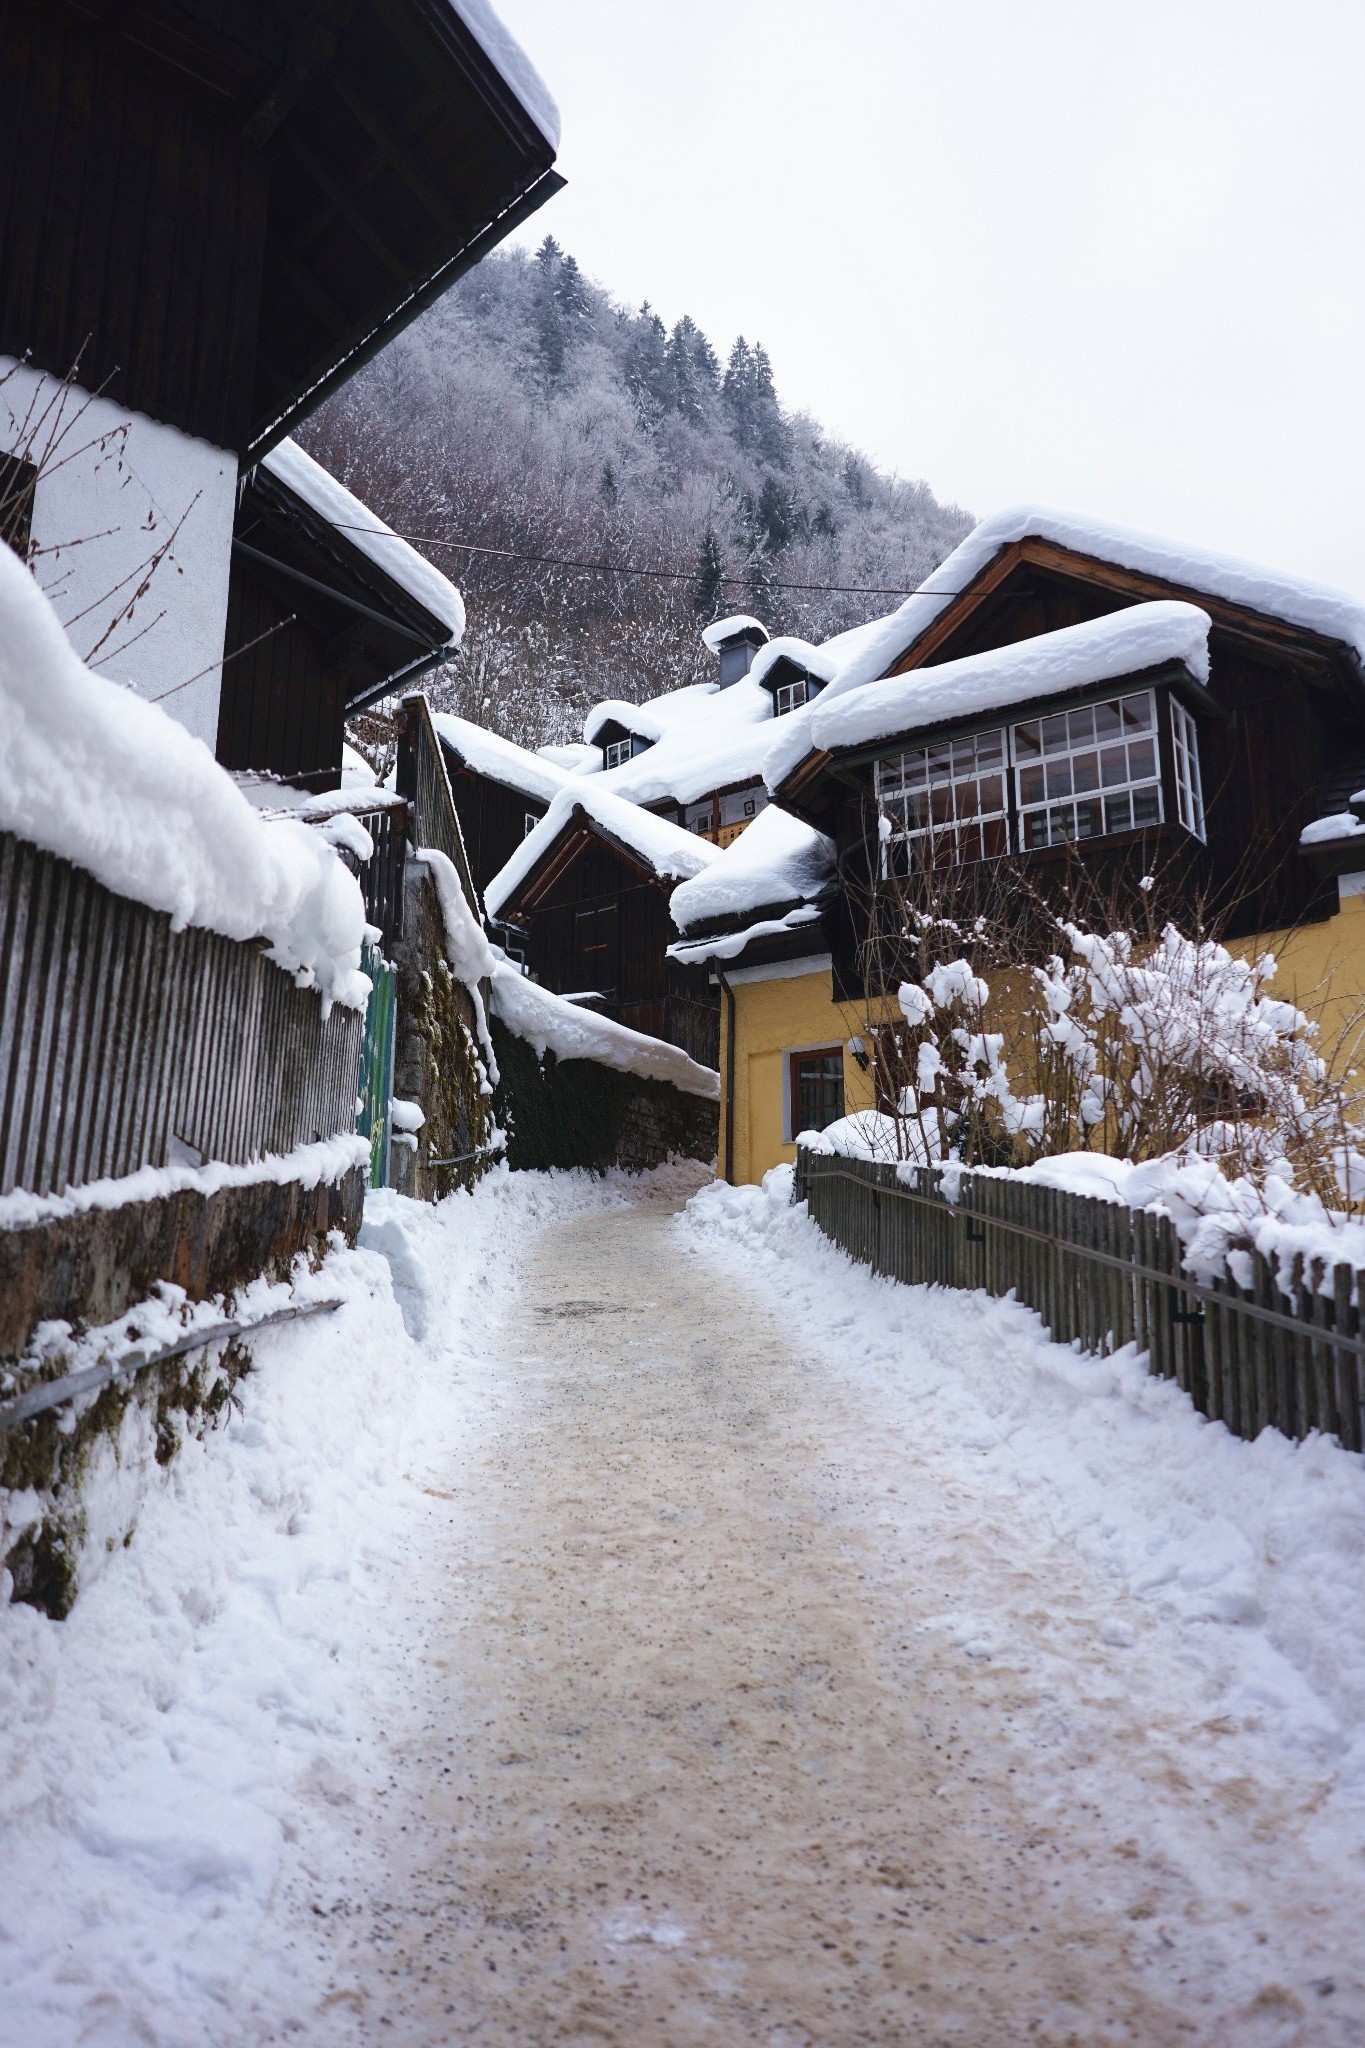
(527, 412)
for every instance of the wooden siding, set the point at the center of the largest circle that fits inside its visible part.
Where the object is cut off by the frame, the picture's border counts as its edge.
(492, 818)
(282, 706)
(121, 1036)
(134, 212)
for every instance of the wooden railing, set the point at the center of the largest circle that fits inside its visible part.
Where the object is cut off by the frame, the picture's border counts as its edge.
(423, 779)
(124, 1044)
(1287, 1356)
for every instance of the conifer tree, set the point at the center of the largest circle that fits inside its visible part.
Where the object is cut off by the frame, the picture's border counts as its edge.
(710, 575)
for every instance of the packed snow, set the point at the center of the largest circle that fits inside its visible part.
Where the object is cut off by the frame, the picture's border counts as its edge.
(775, 862)
(664, 847)
(1124, 643)
(310, 1166)
(319, 489)
(93, 773)
(721, 631)
(487, 753)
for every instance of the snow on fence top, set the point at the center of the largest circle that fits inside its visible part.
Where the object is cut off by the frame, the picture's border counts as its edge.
(1125, 643)
(487, 753)
(775, 861)
(663, 846)
(319, 489)
(719, 631)
(104, 778)
(506, 55)
(867, 652)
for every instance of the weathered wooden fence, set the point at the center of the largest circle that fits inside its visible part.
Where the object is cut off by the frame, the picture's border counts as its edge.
(1268, 1355)
(423, 778)
(124, 1044)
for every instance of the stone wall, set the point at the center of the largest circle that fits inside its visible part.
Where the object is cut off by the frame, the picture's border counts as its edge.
(567, 1113)
(437, 1060)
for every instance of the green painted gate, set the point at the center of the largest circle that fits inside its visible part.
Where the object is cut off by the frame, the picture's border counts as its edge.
(376, 1064)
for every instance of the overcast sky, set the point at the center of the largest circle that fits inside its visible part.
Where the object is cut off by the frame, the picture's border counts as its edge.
(1102, 254)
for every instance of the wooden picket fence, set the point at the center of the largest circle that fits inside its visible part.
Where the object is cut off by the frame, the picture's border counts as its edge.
(1286, 1353)
(125, 1044)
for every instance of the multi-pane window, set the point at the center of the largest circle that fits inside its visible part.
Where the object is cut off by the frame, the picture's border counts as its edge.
(1085, 773)
(948, 800)
(1067, 776)
(615, 753)
(817, 1089)
(789, 697)
(1189, 793)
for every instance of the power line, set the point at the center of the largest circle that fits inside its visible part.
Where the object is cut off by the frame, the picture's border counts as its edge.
(469, 547)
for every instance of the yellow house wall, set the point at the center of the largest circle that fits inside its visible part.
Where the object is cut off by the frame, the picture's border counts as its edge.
(1321, 968)
(772, 1019)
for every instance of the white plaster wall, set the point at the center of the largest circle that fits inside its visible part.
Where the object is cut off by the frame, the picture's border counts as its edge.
(113, 488)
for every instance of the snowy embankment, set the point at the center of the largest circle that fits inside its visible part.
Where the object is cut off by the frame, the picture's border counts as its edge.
(170, 1752)
(1253, 1553)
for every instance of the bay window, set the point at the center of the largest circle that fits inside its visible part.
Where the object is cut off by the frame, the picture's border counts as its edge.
(1049, 780)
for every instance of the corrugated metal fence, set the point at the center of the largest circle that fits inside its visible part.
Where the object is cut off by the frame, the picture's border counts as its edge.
(124, 1044)
(1291, 1356)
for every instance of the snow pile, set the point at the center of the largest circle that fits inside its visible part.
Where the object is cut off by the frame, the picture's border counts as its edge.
(867, 652)
(488, 754)
(186, 1754)
(317, 1165)
(1125, 643)
(775, 862)
(578, 758)
(1237, 1564)
(662, 846)
(1340, 825)
(319, 489)
(700, 706)
(93, 773)
(714, 636)
(508, 58)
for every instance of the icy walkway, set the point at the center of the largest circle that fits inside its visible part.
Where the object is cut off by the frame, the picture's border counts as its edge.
(738, 1651)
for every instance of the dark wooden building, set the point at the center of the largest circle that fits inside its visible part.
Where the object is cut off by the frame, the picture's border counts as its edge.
(591, 904)
(501, 792)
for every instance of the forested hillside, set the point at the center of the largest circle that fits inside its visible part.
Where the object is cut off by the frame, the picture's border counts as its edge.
(528, 411)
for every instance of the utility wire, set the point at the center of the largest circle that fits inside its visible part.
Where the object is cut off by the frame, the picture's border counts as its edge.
(469, 547)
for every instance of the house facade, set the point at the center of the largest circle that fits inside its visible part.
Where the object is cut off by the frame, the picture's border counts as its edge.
(1083, 717)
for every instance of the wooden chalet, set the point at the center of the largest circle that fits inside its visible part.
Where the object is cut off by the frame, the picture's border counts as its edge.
(588, 892)
(501, 792)
(215, 211)
(1065, 712)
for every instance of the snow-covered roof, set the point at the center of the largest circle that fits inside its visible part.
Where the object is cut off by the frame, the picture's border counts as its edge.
(867, 652)
(775, 862)
(689, 764)
(549, 1023)
(106, 779)
(720, 631)
(578, 758)
(663, 846)
(816, 661)
(318, 488)
(506, 55)
(1124, 643)
(487, 753)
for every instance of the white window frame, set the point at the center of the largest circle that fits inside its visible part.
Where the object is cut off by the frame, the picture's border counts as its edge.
(529, 821)
(1189, 788)
(905, 784)
(790, 697)
(616, 753)
(1088, 764)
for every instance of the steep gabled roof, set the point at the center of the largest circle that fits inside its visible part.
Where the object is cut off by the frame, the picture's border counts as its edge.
(500, 760)
(585, 810)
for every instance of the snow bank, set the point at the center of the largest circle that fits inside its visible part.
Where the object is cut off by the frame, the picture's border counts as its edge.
(186, 1754)
(93, 773)
(869, 651)
(1237, 1565)
(487, 753)
(775, 861)
(664, 847)
(506, 55)
(1125, 643)
(550, 1024)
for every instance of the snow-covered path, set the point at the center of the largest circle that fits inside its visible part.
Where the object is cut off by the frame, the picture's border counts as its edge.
(750, 1651)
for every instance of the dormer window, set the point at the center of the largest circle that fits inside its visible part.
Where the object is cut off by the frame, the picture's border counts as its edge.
(790, 696)
(1047, 781)
(615, 753)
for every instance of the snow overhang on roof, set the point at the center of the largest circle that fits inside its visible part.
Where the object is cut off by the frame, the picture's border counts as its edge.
(785, 658)
(775, 865)
(652, 719)
(727, 632)
(870, 652)
(659, 846)
(499, 760)
(1126, 644)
